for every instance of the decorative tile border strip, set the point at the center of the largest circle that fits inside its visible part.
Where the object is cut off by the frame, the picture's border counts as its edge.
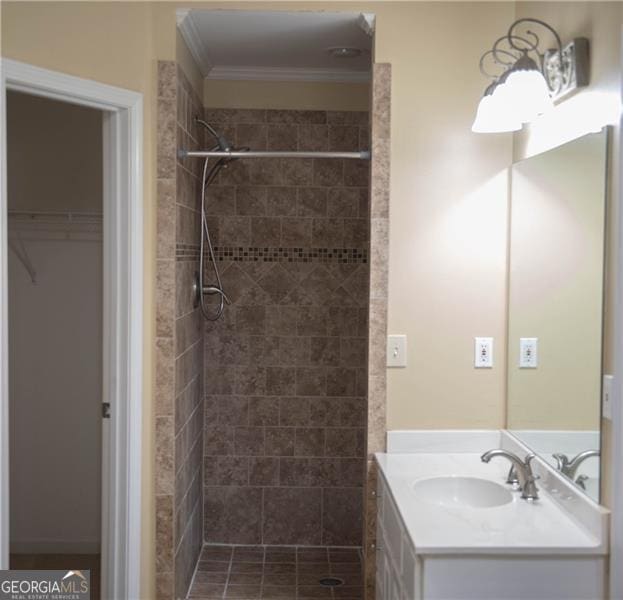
(281, 254)
(186, 252)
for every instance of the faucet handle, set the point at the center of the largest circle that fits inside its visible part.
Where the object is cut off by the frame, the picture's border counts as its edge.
(562, 460)
(529, 458)
(529, 490)
(512, 478)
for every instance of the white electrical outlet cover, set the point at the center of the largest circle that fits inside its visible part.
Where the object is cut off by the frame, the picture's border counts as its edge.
(528, 353)
(483, 352)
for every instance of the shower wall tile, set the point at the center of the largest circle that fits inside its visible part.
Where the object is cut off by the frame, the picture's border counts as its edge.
(341, 523)
(166, 218)
(296, 116)
(187, 556)
(164, 585)
(233, 513)
(165, 297)
(188, 330)
(379, 243)
(293, 516)
(344, 138)
(187, 224)
(164, 533)
(249, 135)
(167, 79)
(189, 407)
(165, 332)
(285, 367)
(186, 402)
(165, 376)
(165, 468)
(179, 345)
(314, 138)
(166, 138)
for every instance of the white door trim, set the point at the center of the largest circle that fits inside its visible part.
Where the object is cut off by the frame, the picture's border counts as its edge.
(123, 313)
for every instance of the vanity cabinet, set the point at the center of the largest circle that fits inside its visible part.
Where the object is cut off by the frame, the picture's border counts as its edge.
(398, 569)
(403, 573)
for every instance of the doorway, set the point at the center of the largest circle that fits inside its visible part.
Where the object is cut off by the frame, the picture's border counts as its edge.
(55, 334)
(120, 294)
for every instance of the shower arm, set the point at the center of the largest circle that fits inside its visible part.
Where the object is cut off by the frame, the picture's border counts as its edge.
(364, 155)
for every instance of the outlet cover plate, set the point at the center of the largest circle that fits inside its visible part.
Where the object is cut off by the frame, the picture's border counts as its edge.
(528, 353)
(483, 352)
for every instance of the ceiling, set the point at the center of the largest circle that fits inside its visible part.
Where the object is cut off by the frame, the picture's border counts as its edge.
(277, 46)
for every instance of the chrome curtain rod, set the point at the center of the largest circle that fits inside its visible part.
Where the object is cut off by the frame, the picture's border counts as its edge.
(365, 155)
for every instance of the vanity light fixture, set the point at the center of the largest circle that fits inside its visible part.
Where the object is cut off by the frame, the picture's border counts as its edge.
(531, 80)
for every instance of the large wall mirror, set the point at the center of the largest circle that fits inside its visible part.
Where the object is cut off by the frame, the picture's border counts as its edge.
(555, 310)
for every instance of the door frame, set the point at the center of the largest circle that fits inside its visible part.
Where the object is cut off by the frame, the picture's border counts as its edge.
(122, 314)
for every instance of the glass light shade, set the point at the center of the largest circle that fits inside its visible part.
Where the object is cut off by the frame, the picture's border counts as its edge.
(494, 114)
(525, 91)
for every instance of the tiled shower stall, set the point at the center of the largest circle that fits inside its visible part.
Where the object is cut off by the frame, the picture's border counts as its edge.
(285, 367)
(263, 415)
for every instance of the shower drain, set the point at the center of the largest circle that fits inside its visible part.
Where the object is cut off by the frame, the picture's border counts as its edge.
(331, 581)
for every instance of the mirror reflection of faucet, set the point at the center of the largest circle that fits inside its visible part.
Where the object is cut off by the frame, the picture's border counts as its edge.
(569, 467)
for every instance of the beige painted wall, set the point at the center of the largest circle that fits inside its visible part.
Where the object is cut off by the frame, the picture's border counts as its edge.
(55, 155)
(448, 212)
(556, 286)
(285, 94)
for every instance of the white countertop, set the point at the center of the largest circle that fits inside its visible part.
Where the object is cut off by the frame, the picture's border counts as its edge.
(519, 527)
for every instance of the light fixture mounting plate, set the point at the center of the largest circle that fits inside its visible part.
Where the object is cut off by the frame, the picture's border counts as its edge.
(566, 76)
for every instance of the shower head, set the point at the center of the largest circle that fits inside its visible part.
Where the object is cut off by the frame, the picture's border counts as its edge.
(221, 140)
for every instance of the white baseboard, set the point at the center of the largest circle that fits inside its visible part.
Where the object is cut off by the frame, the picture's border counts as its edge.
(51, 546)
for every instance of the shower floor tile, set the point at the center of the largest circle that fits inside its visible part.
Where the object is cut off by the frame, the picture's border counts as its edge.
(277, 573)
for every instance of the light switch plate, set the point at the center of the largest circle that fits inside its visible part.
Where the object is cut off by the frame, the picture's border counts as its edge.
(606, 397)
(528, 353)
(397, 351)
(483, 352)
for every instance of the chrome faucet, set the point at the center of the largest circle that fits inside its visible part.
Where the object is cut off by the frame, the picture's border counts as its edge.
(570, 467)
(522, 471)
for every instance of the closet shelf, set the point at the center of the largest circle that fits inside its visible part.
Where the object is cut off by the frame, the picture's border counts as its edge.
(29, 225)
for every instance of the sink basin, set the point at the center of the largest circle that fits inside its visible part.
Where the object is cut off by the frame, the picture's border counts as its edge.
(462, 491)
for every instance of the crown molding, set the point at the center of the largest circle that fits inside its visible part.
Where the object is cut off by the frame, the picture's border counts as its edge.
(190, 33)
(367, 22)
(251, 73)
